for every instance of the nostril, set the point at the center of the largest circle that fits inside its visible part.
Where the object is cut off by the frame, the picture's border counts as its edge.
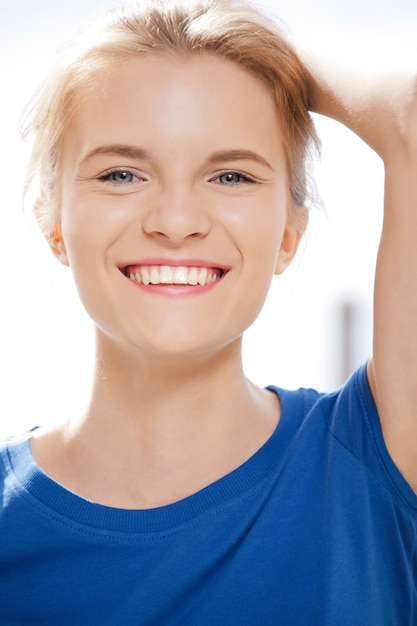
(176, 220)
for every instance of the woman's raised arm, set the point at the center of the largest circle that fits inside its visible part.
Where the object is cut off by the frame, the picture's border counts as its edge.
(373, 91)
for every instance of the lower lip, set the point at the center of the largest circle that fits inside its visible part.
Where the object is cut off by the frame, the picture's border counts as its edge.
(177, 291)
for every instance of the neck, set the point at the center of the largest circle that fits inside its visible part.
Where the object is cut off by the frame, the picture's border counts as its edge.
(152, 392)
(177, 424)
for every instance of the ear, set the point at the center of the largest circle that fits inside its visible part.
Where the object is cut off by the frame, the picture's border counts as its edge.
(57, 245)
(54, 238)
(291, 238)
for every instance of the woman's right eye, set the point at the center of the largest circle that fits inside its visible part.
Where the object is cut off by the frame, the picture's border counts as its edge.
(119, 177)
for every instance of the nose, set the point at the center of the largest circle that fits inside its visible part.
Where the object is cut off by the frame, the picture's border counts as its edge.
(176, 214)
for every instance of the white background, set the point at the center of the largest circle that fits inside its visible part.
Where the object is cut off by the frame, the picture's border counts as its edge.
(46, 342)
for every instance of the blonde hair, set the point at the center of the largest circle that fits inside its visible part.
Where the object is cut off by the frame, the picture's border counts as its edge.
(231, 29)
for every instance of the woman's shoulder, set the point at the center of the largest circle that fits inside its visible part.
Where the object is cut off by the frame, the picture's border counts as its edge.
(344, 426)
(14, 449)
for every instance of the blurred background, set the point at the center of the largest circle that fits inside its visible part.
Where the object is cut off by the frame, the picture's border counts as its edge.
(316, 326)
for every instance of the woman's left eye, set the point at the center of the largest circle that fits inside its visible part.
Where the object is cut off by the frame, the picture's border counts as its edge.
(118, 177)
(232, 178)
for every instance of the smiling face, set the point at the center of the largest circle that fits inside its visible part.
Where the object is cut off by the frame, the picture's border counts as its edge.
(174, 208)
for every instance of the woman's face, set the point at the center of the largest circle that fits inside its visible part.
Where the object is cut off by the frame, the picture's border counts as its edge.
(174, 213)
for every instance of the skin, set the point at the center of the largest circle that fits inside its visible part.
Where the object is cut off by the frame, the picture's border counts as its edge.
(172, 377)
(170, 405)
(378, 101)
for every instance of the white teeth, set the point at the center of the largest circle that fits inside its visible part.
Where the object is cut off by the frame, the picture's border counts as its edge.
(146, 277)
(155, 276)
(179, 275)
(202, 278)
(193, 276)
(166, 275)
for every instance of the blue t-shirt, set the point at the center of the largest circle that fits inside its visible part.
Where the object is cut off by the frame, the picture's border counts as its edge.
(317, 528)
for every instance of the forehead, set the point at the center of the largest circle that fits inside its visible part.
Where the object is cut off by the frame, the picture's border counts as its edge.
(198, 101)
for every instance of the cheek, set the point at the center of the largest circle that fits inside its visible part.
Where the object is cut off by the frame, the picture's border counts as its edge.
(91, 222)
(259, 248)
(262, 232)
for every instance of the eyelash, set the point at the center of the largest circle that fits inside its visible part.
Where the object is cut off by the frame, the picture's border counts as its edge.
(107, 176)
(244, 178)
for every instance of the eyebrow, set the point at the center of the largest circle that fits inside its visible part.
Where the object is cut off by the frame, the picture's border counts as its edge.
(131, 152)
(239, 155)
(134, 152)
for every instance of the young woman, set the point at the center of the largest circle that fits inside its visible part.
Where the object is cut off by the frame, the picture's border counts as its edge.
(171, 147)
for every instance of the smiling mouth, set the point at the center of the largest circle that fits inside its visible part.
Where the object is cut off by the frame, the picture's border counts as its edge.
(169, 275)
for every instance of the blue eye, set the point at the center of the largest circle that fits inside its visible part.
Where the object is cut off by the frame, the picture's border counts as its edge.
(118, 177)
(233, 178)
